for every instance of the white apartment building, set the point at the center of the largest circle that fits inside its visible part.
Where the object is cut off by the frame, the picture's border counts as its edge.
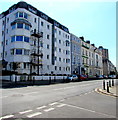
(33, 40)
(76, 58)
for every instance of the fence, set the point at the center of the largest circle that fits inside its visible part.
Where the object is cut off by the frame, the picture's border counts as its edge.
(14, 78)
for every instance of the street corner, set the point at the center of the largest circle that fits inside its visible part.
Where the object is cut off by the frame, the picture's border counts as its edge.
(112, 91)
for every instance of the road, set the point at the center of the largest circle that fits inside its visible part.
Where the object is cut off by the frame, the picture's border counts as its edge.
(67, 100)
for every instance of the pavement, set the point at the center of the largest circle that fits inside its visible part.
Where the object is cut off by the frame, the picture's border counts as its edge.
(113, 91)
(71, 100)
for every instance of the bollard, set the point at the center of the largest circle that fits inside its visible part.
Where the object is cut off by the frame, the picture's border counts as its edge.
(108, 87)
(112, 82)
(109, 83)
(103, 84)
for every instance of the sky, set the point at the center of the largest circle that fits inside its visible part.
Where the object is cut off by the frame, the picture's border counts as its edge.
(95, 20)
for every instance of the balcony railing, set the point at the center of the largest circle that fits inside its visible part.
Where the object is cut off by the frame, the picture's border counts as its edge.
(36, 33)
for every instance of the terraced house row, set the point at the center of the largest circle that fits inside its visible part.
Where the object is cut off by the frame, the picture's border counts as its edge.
(33, 43)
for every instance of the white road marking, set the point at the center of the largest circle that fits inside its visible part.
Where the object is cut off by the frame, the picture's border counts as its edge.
(25, 111)
(41, 107)
(53, 103)
(7, 116)
(61, 105)
(90, 110)
(34, 114)
(50, 109)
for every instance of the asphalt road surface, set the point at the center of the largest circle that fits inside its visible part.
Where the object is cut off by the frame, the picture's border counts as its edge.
(67, 100)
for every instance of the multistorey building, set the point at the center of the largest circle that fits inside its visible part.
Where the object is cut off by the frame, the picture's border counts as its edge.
(76, 59)
(33, 40)
(105, 60)
(91, 59)
(85, 56)
(108, 67)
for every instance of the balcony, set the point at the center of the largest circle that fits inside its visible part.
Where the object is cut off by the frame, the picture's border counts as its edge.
(36, 34)
(35, 62)
(85, 56)
(37, 54)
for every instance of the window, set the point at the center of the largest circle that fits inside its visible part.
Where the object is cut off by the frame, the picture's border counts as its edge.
(19, 25)
(59, 59)
(67, 52)
(60, 41)
(5, 53)
(3, 22)
(25, 15)
(47, 56)
(26, 52)
(7, 31)
(35, 20)
(60, 68)
(47, 66)
(12, 38)
(19, 38)
(59, 32)
(2, 33)
(17, 15)
(55, 30)
(41, 23)
(19, 51)
(41, 44)
(64, 60)
(12, 51)
(27, 27)
(66, 35)
(67, 60)
(26, 39)
(20, 14)
(6, 42)
(59, 49)
(67, 43)
(42, 34)
(7, 20)
(47, 46)
(48, 36)
(55, 67)
(48, 26)
(13, 26)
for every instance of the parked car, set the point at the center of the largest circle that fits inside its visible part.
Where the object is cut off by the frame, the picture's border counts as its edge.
(112, 76)
(72, 77)
(105, 76)
(83, 77)
(100, 76)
